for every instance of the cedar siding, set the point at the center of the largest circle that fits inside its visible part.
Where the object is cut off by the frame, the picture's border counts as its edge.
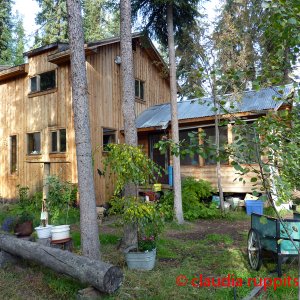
(23, 112)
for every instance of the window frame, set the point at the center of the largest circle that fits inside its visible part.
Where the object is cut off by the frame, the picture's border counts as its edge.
(195, 157)
(27, 140)
(58, 140)
(38, 82)
(13, 171)
(115, 137)
(138, 95)
(224, 163)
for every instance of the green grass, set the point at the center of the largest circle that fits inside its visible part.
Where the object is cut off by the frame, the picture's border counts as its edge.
(212, 255)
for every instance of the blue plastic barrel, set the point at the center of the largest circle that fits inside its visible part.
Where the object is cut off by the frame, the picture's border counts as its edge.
(170, 173)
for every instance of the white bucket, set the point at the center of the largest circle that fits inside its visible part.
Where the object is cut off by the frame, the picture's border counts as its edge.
(43, 232)
(60, 232)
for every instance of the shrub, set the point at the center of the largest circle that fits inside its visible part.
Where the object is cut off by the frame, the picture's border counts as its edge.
(61, 196)
(194, 195)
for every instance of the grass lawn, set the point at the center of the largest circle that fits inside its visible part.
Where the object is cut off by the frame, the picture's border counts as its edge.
(213, 248)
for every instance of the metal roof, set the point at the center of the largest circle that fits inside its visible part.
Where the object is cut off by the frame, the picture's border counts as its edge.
(249, 101)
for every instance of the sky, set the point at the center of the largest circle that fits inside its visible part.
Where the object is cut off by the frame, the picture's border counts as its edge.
(29, 9)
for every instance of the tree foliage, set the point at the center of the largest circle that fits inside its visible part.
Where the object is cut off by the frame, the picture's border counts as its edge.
(187, 34)
(6, 27)
(261, 37)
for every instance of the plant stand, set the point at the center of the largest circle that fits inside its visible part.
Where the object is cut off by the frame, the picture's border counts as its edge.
(65, 244)
(140, 260)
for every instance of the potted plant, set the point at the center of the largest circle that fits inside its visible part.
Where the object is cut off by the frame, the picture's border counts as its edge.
(24, 225)
(59, 198)
(149, 222)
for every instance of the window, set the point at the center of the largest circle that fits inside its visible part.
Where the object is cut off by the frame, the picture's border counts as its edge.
(244, 143)
(191, 159)
(109, 137)
(43, 82)
(209, 144)
(139, 89)
(34, 143)
(13, 154)
(58, 141)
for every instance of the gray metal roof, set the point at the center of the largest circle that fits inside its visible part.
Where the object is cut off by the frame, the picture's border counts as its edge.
(249, 101)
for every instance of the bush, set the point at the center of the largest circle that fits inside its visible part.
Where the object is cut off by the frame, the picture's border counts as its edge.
(195, 195)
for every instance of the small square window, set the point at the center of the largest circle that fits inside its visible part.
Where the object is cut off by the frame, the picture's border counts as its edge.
(58, 141)
(34, 143)
(139, 89)
(109, 137)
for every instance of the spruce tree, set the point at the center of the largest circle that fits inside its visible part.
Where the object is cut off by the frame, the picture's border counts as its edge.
(6, 27)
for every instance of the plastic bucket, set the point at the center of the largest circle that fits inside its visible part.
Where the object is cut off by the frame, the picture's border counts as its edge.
(254, 206)
(60, 232)
(43, 232)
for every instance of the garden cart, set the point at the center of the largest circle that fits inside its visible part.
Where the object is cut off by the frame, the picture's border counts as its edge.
(267, 235)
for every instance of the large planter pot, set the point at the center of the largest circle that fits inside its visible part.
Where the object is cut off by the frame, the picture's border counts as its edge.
(141, 260)
(44, 232)
(23, 229)
(60, 232)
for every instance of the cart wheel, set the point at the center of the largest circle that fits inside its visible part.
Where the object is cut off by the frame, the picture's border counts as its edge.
(254, 250)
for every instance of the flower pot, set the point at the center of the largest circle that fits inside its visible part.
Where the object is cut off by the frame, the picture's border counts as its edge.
(60, 232)
(43, 232)
(157, 187)
(23, 229)
(141, 260)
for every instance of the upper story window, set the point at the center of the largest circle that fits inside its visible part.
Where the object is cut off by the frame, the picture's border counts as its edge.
(34, 143)
(43, 82)
(58, 141)
(139, 90)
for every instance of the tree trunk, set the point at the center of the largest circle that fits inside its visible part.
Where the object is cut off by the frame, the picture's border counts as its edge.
(217, 142)
(88, 216)
(128, 103)
(102, 276)
(174, 120)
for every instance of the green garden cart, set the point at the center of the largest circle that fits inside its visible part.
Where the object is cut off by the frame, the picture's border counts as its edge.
(267, 236)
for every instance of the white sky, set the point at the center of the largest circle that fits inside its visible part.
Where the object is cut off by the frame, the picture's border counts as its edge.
(27, 8)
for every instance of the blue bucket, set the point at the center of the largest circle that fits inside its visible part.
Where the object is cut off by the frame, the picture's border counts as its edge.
(254, 206)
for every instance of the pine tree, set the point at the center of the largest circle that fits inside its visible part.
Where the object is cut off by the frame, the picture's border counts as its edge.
(53, 22)
(101, 20)
(167, 20)
(19, 40)
(6, 27)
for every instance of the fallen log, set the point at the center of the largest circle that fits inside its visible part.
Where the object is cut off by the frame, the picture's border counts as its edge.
(102, 276)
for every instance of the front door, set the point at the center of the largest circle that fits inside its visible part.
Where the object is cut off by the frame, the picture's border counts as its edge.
(160, 159)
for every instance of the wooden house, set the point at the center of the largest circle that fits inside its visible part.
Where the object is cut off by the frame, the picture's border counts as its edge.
(36, 121)
(198, 115)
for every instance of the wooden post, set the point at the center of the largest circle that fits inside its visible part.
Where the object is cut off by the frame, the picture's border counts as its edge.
(44, 215)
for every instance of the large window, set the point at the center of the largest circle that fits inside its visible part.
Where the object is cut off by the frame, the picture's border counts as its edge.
(34, 143)
(189, 138)
(108, 137)
(139, 90)
(43, 82)
(244, 143)
(13, 154)
(210, 144)
(58, 141)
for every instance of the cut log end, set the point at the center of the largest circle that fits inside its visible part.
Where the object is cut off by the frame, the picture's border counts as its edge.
(112, 279)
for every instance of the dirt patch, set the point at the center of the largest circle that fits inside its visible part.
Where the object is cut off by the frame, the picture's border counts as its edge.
(202, 228)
